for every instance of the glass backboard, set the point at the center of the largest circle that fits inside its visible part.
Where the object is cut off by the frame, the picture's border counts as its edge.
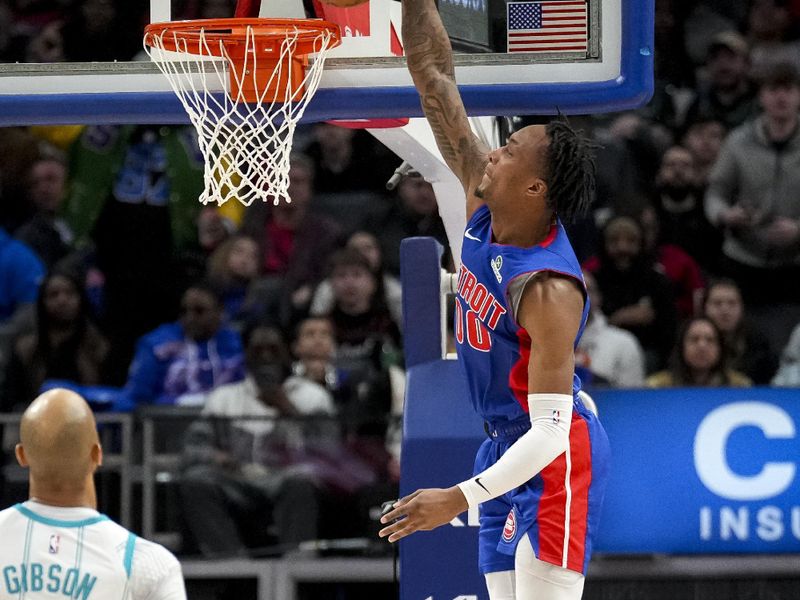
(501, 67)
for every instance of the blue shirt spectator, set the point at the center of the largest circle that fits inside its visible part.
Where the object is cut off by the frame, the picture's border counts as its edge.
(21, 272)
(180, 363)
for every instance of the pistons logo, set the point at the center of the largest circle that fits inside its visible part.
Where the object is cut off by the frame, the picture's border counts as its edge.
(510, 528)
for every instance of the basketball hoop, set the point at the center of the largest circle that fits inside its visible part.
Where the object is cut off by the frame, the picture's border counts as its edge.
(263, 68)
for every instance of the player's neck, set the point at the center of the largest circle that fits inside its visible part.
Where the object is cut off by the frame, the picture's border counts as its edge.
(82, 496)
(509, 229)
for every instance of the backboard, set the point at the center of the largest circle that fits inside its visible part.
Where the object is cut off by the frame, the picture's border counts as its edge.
(498, 74)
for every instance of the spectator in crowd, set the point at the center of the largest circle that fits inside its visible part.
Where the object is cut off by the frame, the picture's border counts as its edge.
(748, 349)
(699, 359)
(636, 297)
(415, 213)
(293, 241)
(233, 269)
(678, 203)
(65, 346)
(19, 149)
(238, 478)
(180, 363)
(95, 30)
(133, 193)
(727, 94)
(703, 138)
(680, 269)
(611, 356)
(752, 197)
(348, 160)
(47, 45)
(772, 33)
(369, 246)
(368, 340)
(788, 374)
(314, 371)
(21, 273)
(46, 233)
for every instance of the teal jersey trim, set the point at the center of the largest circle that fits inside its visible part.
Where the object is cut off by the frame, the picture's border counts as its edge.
(129, 548)
(58, 522)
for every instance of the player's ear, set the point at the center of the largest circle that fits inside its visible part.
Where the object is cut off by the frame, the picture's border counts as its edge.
(537, 187)
(19, 452)
(97, 455)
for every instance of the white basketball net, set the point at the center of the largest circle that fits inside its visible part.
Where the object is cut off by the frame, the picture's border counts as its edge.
(246, 146)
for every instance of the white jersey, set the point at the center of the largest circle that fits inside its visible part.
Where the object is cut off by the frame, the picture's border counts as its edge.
(51, 552)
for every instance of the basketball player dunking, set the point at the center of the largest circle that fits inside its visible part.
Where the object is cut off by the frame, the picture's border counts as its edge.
(56, 544)
(520, 310)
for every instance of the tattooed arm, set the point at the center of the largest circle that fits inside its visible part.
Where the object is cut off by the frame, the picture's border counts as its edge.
(430, 61)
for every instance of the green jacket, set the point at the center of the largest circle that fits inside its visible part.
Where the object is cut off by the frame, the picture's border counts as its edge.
(96, 158)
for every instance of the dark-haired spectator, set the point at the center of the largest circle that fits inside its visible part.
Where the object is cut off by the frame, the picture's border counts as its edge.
(239, 487)
(413, 213)
(610, 355)
(348, 160)
(675, 263)
(293, 242)
(727, 94)
(748, 349)
(66, 344)
(678, 202)
(703, 138)
(232, 269)
(314, 372)
(368, 340)
(753, 195)
(46, 232)
(636, 296)
(772, 33)
(181, 362)
(369, 246)
(699, 360)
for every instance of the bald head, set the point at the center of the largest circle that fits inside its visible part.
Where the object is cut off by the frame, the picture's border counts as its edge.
(58, 441)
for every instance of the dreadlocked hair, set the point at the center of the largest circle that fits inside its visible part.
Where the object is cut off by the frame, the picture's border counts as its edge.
(571, 170)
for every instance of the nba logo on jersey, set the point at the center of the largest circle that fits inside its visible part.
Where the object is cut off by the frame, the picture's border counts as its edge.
(497, 262)
(510, 528)
(55, 541)
(556, 416)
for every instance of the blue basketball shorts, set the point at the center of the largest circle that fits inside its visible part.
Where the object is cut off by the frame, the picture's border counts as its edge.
(559, 509)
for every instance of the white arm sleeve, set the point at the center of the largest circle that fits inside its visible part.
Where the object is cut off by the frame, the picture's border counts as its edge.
(547, 439)
(155, 573)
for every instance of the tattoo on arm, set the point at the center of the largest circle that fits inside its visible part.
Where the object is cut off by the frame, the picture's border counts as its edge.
(430, 61)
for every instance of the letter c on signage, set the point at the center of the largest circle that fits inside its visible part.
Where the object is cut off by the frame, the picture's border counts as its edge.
(710, 458)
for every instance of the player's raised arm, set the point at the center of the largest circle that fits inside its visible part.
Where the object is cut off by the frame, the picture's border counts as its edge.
(430, 61)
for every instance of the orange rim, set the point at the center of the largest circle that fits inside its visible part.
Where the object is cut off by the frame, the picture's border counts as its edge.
(233, 32)
(251, 76)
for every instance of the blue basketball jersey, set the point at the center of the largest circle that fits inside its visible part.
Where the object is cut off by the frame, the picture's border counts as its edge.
(484, 319)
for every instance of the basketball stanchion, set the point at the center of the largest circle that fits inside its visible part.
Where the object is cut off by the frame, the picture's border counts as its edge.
(266, 67)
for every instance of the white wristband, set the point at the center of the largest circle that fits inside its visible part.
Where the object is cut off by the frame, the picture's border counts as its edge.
(547, 439)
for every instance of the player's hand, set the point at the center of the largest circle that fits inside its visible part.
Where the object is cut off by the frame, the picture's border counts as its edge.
(422, 511)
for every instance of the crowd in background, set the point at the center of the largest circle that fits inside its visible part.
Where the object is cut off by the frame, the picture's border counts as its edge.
(115, 278)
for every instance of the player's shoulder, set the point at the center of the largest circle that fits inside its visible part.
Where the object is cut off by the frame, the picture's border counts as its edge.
(153, 555)
(155, 572)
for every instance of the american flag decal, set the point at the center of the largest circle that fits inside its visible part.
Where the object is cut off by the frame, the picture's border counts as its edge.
(558, 26)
